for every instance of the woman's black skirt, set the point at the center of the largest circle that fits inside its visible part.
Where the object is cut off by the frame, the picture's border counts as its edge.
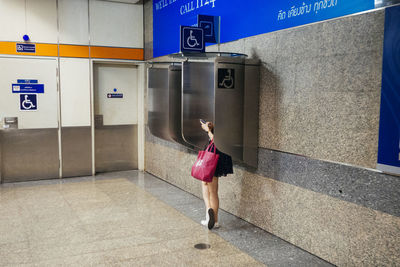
(224, 166)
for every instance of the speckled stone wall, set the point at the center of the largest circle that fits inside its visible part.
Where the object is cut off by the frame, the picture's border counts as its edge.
(341, 232)
(320, 87)
(148, 29)
(319, 97)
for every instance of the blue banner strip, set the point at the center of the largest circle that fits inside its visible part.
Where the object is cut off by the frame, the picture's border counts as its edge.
(240, 19)
(389, 124)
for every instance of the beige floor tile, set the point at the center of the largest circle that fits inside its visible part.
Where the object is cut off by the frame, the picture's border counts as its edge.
(79, 260)
(14, 254)
(107, 222)
(62, 238)
(12, 231)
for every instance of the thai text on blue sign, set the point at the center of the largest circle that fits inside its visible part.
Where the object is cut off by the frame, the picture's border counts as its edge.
(389, 123)
(240, 19)
(26, 48)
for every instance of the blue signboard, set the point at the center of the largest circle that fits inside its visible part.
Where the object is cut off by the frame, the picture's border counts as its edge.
(192, 39)
(240, 19)
(27, 102)
(28, 88)
(26, 48)
(389, 124)
(210, 26)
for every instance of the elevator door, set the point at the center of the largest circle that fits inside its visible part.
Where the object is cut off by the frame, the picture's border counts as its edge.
(115, 115)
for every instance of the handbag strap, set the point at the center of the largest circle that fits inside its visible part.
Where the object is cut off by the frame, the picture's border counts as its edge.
(211, 145)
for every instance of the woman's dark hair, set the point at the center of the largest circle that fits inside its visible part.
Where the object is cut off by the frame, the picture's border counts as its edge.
(211, 127)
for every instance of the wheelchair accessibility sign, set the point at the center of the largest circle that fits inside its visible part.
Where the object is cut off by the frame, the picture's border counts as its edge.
(27, 102)
(192, 39)
(226, 78)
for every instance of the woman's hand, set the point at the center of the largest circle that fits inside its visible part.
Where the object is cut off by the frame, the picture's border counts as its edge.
(204, 126)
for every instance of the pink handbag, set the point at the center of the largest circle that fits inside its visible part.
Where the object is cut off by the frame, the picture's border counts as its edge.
(205, 165)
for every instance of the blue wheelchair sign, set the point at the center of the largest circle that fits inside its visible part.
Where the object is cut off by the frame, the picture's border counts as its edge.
(28, 102)
(192, 39)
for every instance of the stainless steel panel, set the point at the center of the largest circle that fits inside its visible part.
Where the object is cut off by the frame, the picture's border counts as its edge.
(197, 100)
(29, 155)
(223, 90)
(250, 112)
(116, 148)
(76, 145)
(175, 103)
(229, 96)
(158, 102)
(164, 102)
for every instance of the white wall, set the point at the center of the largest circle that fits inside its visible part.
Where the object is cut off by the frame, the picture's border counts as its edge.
(116, 111)
(41, 17)
(111, 23)
(43, 70)
(75, 92)
(74, 21)
(40, 22)
(116, 24)
(12, 20)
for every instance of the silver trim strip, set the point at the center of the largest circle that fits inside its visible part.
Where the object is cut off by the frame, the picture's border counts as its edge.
(60, 158)
(388, 169)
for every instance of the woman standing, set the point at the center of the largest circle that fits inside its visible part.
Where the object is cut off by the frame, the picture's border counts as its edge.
(210, 190)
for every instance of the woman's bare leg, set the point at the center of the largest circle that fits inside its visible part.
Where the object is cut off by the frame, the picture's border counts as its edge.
(206, 194)
(214, 199)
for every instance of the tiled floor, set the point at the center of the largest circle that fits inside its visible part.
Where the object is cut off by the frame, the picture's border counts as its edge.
(126, 219)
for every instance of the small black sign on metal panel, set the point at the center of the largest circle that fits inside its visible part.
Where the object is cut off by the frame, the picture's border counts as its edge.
(226, 78)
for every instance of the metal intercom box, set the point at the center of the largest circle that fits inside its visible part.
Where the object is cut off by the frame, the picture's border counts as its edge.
(220, 89)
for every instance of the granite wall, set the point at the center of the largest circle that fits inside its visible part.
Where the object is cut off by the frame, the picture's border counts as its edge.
(319, 118)
(320, 86)
(333, 228)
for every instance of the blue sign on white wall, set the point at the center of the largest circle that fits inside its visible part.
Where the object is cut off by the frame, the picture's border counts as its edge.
(192, 39)
(389, 124)
(26, 48)
(26, 81)
(27, 86)
(240, 19)
(27, 102)
(115, 95)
